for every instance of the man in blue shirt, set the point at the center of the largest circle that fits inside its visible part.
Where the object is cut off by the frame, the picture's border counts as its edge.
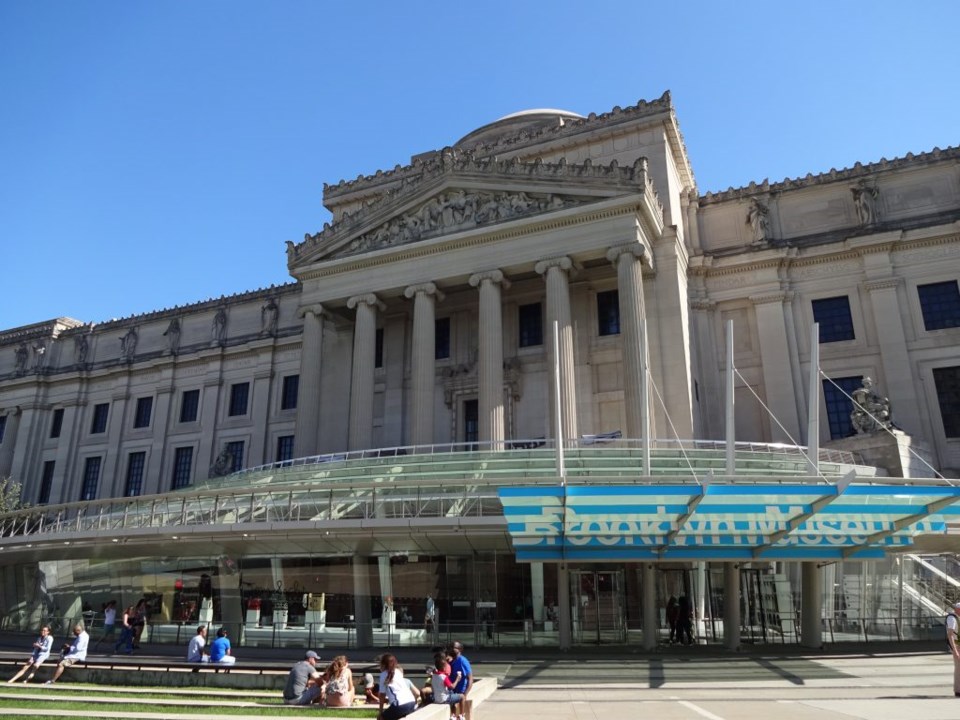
(461, 674)
(220, 649)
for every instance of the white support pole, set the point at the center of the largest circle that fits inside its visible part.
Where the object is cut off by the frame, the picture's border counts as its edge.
(558, 414)
(645, 397)
(813, 404)
(731, 429)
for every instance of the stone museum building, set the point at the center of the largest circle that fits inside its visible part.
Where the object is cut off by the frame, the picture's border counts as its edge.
(369, 456)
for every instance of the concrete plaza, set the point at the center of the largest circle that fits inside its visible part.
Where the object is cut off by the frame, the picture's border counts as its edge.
(908, 685)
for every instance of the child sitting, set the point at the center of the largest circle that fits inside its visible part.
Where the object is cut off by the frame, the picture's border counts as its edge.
(443, 689)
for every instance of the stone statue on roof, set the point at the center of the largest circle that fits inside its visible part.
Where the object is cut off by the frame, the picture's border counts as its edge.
(758, 218)
(871, 411)
(172, 333)
(865, 199)
(219, 329)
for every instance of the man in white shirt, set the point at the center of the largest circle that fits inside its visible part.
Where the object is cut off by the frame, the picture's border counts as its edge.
(77, 652)
(197, 643)
(953, 629)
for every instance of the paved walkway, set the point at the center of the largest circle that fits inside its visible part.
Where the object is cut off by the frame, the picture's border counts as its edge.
(831, 687)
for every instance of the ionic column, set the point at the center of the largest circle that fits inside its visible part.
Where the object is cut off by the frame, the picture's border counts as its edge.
(628, 260)
(423, 366)
(490, 363)
(308, 397)
(555, 272)
(361, 385)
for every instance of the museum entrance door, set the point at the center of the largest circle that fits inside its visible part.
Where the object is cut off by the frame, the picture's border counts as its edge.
(597, 607)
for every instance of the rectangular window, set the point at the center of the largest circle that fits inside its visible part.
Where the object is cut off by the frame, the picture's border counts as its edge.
(235, 451)
(833, 314)
(182, 464)
(839, 406)
(91, 476)
(3, 426)
(531, 325)
(135, 463)
(608, 312)
(284, 448)
(947, 381)
(99, 423)
(239, 393)
(378, 352)
(940, 304)
(288, 397)
(57, 425)
(441, 334)
(141, 418)
(189, 404)
(46, 482)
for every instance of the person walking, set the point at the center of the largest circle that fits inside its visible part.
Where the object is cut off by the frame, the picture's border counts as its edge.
(126, 632)
(953, 640)
(41, 651)
(109, 621)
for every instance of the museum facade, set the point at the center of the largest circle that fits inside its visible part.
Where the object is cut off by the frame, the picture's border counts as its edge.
(372, 448)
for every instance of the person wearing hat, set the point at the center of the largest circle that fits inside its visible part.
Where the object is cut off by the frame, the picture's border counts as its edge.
(371, 690)
(953, 631)
(303, 683)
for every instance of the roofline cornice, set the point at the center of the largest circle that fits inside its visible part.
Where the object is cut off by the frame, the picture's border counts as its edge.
(858, 171)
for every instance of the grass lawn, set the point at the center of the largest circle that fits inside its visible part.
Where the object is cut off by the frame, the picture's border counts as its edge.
(182, 710)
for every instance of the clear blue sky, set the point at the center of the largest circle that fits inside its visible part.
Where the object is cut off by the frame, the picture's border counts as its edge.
(158, 153)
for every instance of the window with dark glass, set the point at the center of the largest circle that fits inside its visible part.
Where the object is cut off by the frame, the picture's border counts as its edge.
(441, 335)
(57, 425)
(182, 464)
(378, 349)
(239, 393)
(947, 381)
(46, 482)
(288, 394)
(141, 418)
(531, 325)
(135, 464)
(608, 312)
(189, 405)
(940, 305)
(839, 406)
(833, 314)
(3, 426)
(235, 451)
(284, 448)
(91, 476)
(99, 423)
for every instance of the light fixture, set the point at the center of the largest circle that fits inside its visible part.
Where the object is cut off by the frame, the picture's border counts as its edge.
(175, 537)
(114, 539)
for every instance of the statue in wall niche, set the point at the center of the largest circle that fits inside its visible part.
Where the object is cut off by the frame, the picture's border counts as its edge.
(172, 334)
(81, 348)
(20, 356)
(758, 218)
(128, 344)
(219, 329)
(38, 351)
(269, 314)
(865, 200)
(871, 411)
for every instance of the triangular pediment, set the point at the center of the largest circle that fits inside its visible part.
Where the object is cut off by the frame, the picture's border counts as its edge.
(458, 193)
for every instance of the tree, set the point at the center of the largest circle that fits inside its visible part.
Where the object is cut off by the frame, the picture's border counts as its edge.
(11, 496)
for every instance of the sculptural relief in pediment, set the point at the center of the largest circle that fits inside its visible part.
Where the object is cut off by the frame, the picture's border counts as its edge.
(454, 211)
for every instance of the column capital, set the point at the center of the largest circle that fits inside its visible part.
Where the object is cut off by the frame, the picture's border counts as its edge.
(883, 283)
(317, 310)
(563, 262)
(494, 276)
(427, 288)
(366, 299)
(638, 250)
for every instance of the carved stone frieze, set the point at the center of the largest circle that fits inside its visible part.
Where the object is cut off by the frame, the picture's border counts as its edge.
(461, 209)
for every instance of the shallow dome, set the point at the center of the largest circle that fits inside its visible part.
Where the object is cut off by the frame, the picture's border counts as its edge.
(509, 125)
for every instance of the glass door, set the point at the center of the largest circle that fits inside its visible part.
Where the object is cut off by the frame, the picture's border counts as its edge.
(597, 607)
